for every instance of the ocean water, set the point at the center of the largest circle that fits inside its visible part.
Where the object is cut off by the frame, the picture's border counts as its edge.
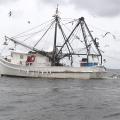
(60, 99)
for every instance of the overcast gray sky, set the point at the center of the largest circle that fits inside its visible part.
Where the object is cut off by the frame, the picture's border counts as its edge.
(104, 15)
(106, 8)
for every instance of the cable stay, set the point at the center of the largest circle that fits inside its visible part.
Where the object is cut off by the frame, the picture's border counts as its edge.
(22, 33)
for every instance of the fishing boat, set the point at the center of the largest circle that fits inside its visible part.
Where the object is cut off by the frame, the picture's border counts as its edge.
(41, 63)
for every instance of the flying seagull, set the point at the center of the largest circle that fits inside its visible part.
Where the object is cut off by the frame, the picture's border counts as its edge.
(106, 34)
(10, 13)
(28, 22)
(109, 33)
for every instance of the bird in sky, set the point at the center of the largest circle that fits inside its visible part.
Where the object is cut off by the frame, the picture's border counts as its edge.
(106, 34)
(114, 37)
(28, 22)
(10, 13)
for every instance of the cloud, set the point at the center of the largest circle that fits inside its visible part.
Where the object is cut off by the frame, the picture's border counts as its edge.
(55, 2)
(106, 8)
(50, 1)
(7, 1)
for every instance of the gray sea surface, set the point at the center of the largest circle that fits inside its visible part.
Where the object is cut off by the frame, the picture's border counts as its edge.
(60, 99)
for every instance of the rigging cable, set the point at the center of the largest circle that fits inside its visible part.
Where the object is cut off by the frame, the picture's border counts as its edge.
(32, 28)
(73, 34)
(33, 34)
(43, 34)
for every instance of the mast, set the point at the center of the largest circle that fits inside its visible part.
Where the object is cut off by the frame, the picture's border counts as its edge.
(67, 44)
(55, 38)
(94, 42)
(68, 38)
(82, 23)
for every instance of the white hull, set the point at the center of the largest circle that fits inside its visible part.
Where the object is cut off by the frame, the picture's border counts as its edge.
(9, 69)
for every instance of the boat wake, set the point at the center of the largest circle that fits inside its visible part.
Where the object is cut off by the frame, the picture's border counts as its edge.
(113, 76)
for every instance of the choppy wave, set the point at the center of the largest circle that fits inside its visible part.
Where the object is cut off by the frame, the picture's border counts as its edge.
(112, 115)
(28, 99)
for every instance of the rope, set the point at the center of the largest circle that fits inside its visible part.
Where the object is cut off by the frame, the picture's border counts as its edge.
(44, 34)
(32, 28)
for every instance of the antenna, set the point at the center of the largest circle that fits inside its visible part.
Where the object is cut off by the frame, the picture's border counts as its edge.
(56, 12)
(55, 37)
(57, 9)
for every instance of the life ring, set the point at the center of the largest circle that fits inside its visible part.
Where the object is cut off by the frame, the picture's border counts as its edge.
(32, 58)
